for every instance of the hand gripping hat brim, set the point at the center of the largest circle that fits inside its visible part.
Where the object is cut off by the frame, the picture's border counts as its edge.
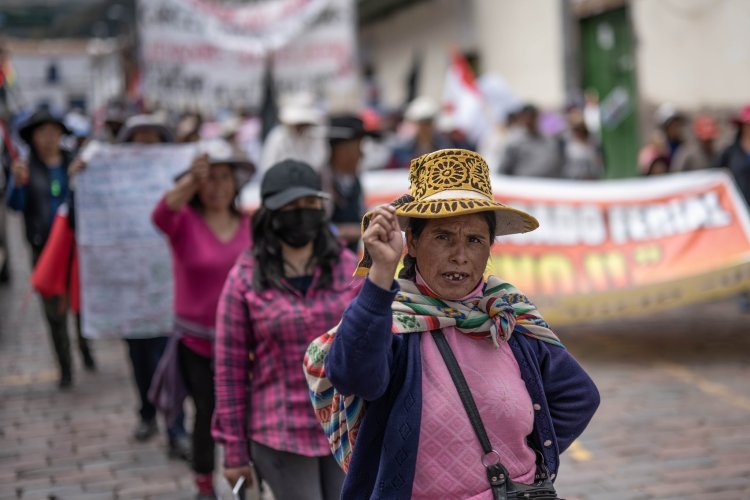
(449, 183)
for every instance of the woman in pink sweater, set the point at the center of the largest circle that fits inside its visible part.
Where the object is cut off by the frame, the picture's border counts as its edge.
(206, 234)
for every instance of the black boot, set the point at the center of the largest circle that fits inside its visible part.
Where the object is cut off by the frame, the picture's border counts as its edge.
(89, 363)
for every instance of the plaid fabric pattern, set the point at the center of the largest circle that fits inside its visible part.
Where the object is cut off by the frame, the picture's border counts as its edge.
(501, 311)
(261, 338)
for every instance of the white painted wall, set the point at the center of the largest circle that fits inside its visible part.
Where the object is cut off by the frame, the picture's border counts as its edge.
(432, 28)
(84, 70)
(693, 53)
(522, 41)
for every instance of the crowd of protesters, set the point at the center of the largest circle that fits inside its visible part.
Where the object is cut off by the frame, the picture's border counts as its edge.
(253, 290)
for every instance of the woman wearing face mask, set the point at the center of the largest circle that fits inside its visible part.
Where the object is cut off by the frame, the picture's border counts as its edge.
(294, 283)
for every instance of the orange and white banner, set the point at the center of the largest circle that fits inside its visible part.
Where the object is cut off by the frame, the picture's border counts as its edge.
(611, 249)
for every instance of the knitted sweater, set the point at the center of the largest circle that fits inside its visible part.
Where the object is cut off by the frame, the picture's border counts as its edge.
(369, 361)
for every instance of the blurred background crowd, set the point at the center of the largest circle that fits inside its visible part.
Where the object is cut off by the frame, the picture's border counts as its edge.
(577, 89)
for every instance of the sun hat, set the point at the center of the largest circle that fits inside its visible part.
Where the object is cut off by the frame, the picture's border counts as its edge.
(449, 183)
(346, 127)
(140, 122)
(287, 181)
(36, 120)
(300, 109)
(743, 117)
(420, 109)
(705, 127)
(220, 152)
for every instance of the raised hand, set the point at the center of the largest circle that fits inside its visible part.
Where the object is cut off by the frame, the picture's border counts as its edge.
(20, 170)
(385, 245)
(76, 166)
(200, 168)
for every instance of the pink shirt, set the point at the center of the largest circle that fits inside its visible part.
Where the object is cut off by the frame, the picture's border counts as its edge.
(201, 263)
(449, 458)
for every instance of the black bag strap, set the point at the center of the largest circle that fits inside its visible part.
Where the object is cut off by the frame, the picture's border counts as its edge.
(497, 474)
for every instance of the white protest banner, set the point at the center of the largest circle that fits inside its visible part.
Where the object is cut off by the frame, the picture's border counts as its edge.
(201, 55)
(126, 273)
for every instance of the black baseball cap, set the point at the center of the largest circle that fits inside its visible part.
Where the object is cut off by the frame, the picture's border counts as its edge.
(346, 127)
(287, 181)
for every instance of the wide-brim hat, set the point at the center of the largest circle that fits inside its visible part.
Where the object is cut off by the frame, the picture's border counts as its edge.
(39, 118)
(421, 108)
(220, 152)
(347, 127)
(300, 109)
(141, 122)
(449, 183)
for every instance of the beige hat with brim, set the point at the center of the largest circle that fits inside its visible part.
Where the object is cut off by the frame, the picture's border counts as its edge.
(449, 183)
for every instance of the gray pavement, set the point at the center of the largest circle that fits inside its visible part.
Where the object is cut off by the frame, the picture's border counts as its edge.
(674, 421)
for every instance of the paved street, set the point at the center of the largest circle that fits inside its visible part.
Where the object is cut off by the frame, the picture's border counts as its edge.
(674, 421)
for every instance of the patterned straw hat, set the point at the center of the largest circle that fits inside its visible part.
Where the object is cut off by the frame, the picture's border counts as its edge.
(448, 183)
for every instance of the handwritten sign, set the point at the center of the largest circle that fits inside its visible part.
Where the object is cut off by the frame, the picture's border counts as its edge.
(201, 55)
(126, 273)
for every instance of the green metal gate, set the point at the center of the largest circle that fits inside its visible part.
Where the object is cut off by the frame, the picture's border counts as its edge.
(608, 66)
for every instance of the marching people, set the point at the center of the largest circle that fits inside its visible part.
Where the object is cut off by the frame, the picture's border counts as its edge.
(701, 152)
(206, 233)
(736, 157)
(293, 283)
(37, 187)
(582, 158)
(299, 136)
(341, 178)
(529, 153)
(420, 113)
(145, 349)
(390, 374)
(671, 123)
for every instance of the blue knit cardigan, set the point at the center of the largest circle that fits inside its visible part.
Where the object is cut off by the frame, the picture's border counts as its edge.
(369, 361)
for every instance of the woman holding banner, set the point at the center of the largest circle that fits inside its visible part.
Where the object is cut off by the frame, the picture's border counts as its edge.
(294, 283)
(206, 234)
(452, 385)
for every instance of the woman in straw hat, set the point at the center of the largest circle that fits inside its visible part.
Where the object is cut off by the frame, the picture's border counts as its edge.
(381, 378)
(207, 233)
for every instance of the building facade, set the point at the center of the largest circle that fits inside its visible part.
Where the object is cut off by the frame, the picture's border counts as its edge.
(635, 55)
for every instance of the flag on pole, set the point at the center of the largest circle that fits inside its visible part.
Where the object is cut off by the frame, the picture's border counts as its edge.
(462, 99)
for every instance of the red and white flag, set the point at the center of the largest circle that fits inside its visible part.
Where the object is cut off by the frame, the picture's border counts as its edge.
(462, 99)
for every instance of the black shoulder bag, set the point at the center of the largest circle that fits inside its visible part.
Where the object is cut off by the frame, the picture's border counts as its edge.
(503, 488)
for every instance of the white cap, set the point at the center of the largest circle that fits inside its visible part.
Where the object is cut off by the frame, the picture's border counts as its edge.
(300, 109)
(421, 108)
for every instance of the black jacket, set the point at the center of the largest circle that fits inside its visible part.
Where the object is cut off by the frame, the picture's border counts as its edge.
(737, 160)
(36, 212)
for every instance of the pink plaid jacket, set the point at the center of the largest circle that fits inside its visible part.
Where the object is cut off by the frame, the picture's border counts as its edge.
(261, 338)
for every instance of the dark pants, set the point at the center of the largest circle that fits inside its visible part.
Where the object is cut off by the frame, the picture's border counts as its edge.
(197, 371)
(56, 314)
(295, 476)
(144, 358)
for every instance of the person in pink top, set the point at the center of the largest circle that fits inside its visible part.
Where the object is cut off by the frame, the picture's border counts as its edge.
(206, 234)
